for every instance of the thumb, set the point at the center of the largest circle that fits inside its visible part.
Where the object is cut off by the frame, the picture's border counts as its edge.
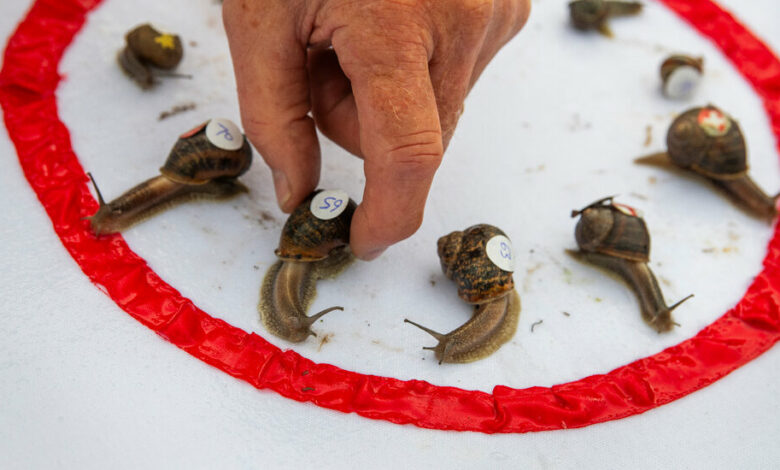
(273, 92)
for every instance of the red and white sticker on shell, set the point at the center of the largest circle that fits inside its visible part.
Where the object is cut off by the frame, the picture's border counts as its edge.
(329, 204)
(628, 210)
(714, 122)
(224, 134)
(500, 252)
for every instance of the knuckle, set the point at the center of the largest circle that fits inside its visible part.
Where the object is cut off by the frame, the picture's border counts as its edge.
(417, 155)
(478, 11)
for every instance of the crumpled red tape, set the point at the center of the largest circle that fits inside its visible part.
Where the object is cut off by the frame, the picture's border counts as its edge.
(28, 82)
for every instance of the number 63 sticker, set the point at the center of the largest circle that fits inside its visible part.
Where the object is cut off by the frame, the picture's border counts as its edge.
(329, 204)
(499, 250)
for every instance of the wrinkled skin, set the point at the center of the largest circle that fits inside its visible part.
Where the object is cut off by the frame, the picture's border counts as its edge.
(385, 79)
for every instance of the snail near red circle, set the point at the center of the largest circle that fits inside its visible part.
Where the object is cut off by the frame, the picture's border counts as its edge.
(28, 96)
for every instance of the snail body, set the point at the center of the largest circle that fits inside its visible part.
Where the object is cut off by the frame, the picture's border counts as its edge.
(468, 259)
(195, 169)
(709, 143)
(594, 14)
(310, 248)
(146, 48)
(613, 237)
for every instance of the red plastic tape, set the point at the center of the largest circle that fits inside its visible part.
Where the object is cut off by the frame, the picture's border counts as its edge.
(28, 82)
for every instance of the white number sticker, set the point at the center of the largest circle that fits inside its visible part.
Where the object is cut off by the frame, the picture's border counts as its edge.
(499, 250)
(224, 134)
(682, 82)
(329, 204)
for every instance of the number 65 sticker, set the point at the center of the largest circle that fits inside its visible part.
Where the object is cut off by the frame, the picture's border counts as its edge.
(329, 204)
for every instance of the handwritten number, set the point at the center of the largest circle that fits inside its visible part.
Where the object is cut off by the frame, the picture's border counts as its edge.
(224, 131)
(331, 203)
(505, 251)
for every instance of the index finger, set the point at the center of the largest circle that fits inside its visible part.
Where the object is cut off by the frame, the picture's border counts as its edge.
(400, 136)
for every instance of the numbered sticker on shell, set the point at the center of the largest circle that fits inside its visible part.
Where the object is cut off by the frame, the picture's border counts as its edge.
(682, 82)
(224, 134)
(500, 252)
(329, 204)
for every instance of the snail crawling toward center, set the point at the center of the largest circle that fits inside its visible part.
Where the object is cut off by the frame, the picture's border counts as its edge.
(594, 14)
(314, 245)
(708, 142)
(147, 48)
(613, 237)
(471, 258)
(203, 164)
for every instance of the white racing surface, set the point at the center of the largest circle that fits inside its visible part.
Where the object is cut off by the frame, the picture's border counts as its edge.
(553, 124)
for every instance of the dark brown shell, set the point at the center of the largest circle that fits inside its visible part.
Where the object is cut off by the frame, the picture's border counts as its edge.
(678, 60)
(606, 229)
(690, 146)
(195, 160)
(159, 49)
(307, 238)
(464, 259)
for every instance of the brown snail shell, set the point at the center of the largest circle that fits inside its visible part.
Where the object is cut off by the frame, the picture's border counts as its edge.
(612, 236)
(147, 47)
(708, 142)
(309, 249)
(195, 169)
(681, 75)
(594, 14)
(464, 259)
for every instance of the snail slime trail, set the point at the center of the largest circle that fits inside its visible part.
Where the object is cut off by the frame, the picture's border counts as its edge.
(480, 261)
(709, 143)
(314, 245)
(612, 236)
(199, 166)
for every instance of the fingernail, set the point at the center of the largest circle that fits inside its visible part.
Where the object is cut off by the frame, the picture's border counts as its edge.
(282, 186)
(374, 254)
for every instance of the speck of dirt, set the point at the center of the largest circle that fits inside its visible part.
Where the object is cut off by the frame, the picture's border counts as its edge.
(638, 196)
(307, 389)
(665, 281)
(708, 250)
(256, 267)
(598, 299)
(306, 372)
(325, 339)
(648, 135)
(567, 314)
(178, 109)
(652, 179)
(193, 43)
(535, 324)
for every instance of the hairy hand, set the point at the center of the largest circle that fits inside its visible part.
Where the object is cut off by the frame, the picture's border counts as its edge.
(390, 90)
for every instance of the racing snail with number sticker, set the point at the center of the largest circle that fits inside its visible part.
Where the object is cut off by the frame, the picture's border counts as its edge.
(614, 236)
(480, 260)
(28, 94)
(200, 166)
(314, 245)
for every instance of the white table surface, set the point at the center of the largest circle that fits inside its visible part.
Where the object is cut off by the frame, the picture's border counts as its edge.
(551, 126)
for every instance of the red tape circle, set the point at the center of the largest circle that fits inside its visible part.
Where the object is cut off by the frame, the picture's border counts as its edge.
(28, 82)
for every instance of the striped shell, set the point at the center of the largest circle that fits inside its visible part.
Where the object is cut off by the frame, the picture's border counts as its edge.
(607, 229)
(713, 147)
(464, 259)
(307, 238)
(195, 160)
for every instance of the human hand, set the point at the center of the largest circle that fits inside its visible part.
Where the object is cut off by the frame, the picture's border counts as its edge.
(390, 90)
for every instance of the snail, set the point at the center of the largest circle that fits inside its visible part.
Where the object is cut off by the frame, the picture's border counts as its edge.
(708, 142)
(681, 75)
(594, 14)
(614, 237)
(480, 261)
(314, 244)
(204, 163)
(146, 47)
